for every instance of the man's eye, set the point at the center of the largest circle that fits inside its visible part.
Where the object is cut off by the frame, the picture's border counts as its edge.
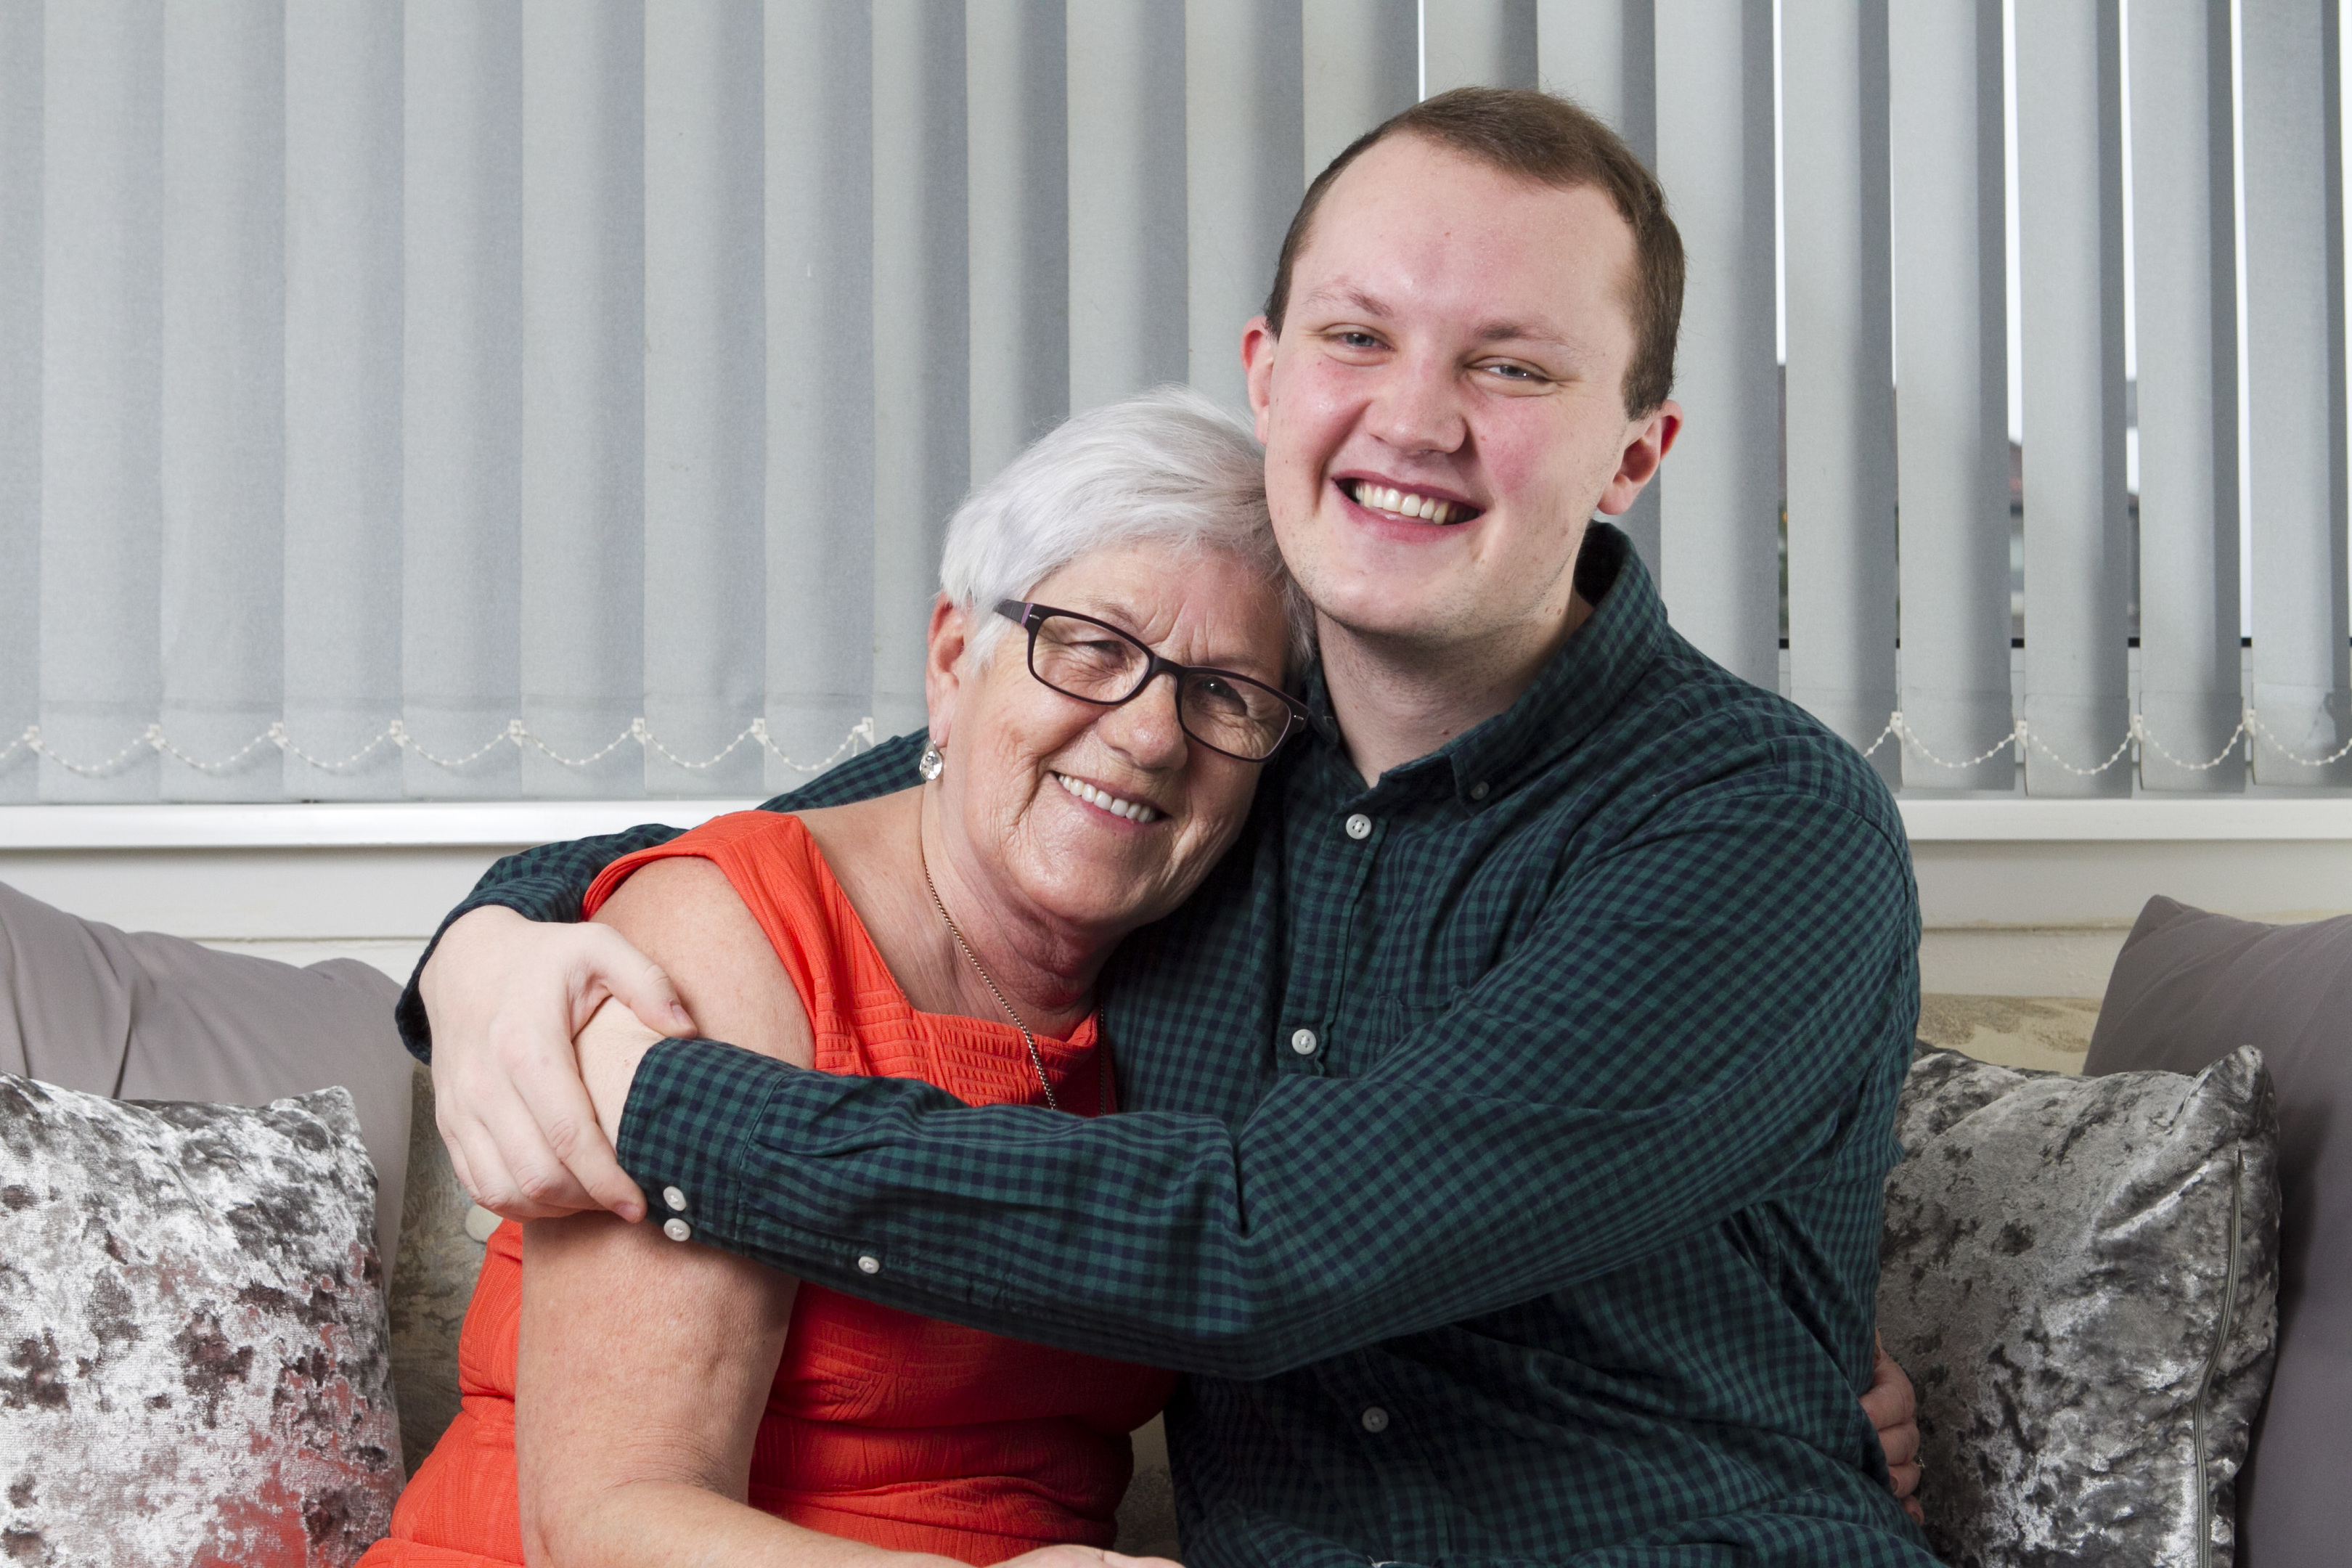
(1357, 340)
(1512, 372)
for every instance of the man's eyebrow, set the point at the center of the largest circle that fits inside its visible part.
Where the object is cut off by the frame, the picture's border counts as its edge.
(1355, 298)
(1373, 306)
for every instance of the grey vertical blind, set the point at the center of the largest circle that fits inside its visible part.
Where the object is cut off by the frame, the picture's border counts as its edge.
(467, 398)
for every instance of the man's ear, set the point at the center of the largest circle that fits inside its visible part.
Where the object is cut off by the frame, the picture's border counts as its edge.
(1645, 447)
(951, 634)
(1257, 363)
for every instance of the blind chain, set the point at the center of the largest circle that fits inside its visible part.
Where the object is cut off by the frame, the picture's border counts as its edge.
(395, 735)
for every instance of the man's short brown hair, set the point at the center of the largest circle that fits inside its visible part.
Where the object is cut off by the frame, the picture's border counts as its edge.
(1549, 141)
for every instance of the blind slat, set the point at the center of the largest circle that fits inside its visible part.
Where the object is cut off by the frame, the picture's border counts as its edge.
(819, 297)
(1840, 420)
(1362, 65)
(223, 437)
(583, 390)
(1952, 419)
(1017, 129)
(2295, 372)
(1128, 327)
(2185, 299)
(2077, 548)
(20, 390)
(461, 405)
(1604, 55)
(1243, 127)
(341, 655)
(1479, 43)
(703, 426)
(922, 450)
(1718, 493)
(101, 502)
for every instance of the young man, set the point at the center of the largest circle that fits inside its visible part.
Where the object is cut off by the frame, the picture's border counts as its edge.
(1512, 1104)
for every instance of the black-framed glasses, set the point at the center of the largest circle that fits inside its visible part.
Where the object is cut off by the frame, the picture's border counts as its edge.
(1095, 662)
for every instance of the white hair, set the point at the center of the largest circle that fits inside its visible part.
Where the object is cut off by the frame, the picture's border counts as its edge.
(1165, 467)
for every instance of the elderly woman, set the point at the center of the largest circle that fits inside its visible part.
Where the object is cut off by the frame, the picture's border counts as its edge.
(671, 1404)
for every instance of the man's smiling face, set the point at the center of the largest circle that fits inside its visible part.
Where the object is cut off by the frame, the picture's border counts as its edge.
(1444, 409)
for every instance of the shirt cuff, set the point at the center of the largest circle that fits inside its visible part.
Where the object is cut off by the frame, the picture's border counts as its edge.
(692, 1105)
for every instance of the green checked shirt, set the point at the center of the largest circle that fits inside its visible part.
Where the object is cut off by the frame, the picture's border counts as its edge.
(1503, 1142)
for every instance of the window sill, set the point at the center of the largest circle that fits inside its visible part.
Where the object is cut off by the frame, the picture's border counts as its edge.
(362, 824)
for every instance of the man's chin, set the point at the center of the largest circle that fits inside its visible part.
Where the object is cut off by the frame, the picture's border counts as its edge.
(1397, 617)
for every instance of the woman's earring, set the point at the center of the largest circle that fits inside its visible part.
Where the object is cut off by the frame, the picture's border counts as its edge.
(933, 763)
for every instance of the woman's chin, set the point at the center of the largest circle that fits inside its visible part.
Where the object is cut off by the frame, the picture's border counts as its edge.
(1109, 892)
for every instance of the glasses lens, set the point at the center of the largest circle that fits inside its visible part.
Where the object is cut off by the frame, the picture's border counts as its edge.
(1234, 715)
(1086, 661)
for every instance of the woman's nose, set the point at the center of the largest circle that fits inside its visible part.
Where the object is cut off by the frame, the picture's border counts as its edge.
(1145, 729)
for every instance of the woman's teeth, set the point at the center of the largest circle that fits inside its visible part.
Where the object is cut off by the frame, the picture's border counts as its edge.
(1405, 503)
(1133, 810)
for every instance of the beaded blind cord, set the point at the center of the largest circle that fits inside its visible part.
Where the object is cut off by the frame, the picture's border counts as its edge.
(2249, 733)
(397, 735)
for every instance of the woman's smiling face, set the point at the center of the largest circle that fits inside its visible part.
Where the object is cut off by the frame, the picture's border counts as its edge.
(1102, 818)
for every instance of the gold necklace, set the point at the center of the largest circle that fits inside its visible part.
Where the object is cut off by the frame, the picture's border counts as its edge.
(1036, 1060)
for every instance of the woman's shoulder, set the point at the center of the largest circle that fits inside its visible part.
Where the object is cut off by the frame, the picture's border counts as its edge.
(747, 845)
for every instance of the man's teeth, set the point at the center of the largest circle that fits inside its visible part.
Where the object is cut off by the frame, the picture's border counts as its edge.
(1133, 810)
(1405, 503)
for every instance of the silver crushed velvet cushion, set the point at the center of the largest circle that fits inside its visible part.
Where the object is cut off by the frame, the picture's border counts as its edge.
(193, 1357)
(2080, 1276)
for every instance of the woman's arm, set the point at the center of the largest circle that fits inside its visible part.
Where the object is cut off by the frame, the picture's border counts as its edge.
(645, 1364)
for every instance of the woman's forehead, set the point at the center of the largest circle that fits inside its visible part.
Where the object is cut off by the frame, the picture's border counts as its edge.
(1209, 596)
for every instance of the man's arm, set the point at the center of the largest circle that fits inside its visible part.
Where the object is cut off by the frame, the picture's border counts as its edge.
(509, 978)
(1659, 1055)
(543, 884)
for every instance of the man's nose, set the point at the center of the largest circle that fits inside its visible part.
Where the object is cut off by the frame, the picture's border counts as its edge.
(1145, 729)
(1417, 406)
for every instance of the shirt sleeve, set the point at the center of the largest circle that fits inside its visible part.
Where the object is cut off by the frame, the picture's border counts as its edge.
(1715, 1011)
(549, 882)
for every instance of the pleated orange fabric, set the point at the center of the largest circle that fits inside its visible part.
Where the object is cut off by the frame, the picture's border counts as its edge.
(899, 1431)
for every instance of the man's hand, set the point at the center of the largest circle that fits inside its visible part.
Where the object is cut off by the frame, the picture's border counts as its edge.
(1894, 1409)
(506, 995)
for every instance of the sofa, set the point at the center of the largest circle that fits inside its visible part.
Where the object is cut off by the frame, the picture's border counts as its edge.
(2189, 1211)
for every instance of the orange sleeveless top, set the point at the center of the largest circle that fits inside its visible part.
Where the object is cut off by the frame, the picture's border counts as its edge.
(899, 1431)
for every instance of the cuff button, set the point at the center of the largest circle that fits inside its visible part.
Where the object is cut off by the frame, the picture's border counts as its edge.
(675, 1199)
(677, 1230)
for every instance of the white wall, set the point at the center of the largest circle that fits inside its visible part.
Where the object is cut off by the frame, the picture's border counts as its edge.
(2021, 898)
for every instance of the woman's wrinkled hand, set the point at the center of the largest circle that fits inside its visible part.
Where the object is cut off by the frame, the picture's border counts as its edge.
(506, 995)
(1894, 1408)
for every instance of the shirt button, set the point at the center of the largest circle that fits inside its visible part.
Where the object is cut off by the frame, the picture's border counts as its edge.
(868, 1264)
(1375, 1419)
(677, 1230)
(1303, 1041)
(1360, 827)
(1478, 790)
(675, 1199)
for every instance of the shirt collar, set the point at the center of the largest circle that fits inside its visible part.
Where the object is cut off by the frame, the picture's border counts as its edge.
(1577, 687)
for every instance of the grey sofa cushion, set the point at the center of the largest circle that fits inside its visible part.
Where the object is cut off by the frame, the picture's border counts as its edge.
(2188, 988)
(2079, 1275)
(192, 1318)
(432, 1284)
(141, 1016)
